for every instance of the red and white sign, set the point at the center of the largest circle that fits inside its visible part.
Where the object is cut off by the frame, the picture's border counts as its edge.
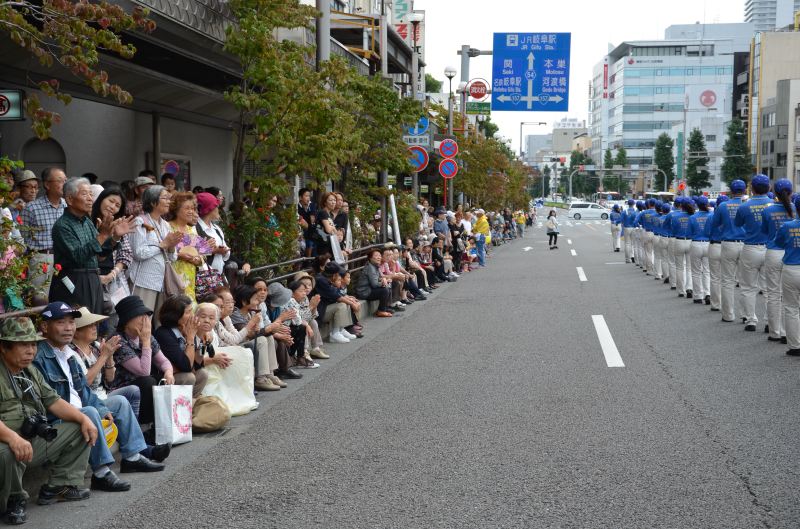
(605, 81)
(448, 148)
(708, 98)
(478, 89)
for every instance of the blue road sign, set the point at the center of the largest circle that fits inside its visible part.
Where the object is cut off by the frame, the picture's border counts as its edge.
(448, 148)
(420, 128)
(448, 168)
(530, 72)
(418, 158)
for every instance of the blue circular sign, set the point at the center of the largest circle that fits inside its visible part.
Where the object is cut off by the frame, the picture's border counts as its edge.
(418, 158)
(448, 168)
(420, 128)
(448, 148)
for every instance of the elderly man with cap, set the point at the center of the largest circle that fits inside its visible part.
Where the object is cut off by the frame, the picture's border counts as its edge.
(440, 226)
(38, 217)
(749, 216)
(27, 186)
(77, 242)
(25, 437)
(59, 364)
(732, 242)
(629, 230)
(140, 185)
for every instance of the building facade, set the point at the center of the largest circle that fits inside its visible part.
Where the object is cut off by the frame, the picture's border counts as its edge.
(780, 132)
(642, 89)
(767, 15)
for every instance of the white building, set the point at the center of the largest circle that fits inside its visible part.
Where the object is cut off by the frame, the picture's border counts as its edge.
(767, 15)
(642, 89)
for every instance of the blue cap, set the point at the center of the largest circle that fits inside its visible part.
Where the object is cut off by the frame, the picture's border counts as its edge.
(665, 208)
(679, 200)
(721, 199)
(631, 202)
(760, 180)
(797, 203)
(615, 207)
(783, 185)
(738, 186)
(640, 204)
(651, 202)
(771, 195)
(702, 201)
(58, 310)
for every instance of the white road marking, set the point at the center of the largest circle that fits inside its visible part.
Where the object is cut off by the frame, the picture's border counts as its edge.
(581, 274)
(573, 252)
(528, 248)
(597, 222)
(591, 227)
(569, 241)
(569, 224)
(610, 351)
(615, 263)
(539, 224)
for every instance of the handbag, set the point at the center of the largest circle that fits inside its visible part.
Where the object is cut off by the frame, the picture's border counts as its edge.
(210, 414)
(320, 235)
(172, 406)
(208, 280)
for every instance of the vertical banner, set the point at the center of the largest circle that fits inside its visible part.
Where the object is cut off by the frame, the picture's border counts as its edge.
(395, 226)
(605, 79)
(679, 147)
(400, 11)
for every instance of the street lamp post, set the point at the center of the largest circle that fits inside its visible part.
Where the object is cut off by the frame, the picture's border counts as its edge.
(415, 18)
(449, 72)
(520, 133)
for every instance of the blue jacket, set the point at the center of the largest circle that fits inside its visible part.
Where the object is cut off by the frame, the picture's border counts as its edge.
(697, 225)
(616, 218)
(788, 238)
(723, 220)
(667, 224)
(774, 217)
(749, 216)
(679, 226)
(629, 218)
(647, 219)
(46, 362)
(328, 295)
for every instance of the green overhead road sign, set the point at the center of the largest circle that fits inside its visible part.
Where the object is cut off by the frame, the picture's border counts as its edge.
(476, 108)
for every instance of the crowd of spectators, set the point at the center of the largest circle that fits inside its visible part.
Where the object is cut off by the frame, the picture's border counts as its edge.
(109, 257)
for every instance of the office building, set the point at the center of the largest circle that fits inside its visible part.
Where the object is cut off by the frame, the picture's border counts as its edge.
(642, 89)
(767, 15)
(780, 132)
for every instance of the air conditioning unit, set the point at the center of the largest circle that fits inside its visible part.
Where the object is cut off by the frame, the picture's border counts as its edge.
(745, 112)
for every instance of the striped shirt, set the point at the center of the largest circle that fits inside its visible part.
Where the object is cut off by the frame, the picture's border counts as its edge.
(39, 216)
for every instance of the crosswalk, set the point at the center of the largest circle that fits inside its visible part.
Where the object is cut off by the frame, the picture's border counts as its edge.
(577, 223)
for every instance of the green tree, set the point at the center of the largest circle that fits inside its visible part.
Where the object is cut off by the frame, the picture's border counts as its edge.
(608, 163)
(432, 84)
(546, 175)
(697, 179)
(737, 164)
(488, 127)
(72, 34)
(664, 160)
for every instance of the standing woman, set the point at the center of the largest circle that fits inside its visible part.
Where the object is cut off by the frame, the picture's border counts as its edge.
(113, 267)
(698, 253)
(324, 231)
(183, 208)
(153, 246)
(552, 229)
(788, 238)
(774, 217)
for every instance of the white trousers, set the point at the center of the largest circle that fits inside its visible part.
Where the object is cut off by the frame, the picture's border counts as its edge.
(639, 247)
(628, 236)
(680, 252)
(616, 230)
(701, 276)
(728, 268)
(658, 257)
(773, 265)
(670, 258)
(751, 263)
(649, 265)
(790, 290)
(714, 264)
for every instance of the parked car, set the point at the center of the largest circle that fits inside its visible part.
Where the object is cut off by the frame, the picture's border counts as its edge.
(587, 210)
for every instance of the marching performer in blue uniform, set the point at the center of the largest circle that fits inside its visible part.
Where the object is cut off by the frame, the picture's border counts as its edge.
(616, 227)
(775, 216)
(698, 254)
(629, 231)
(639, 258)
(732, 244)
(714, 235)
(681, 245)
(668, 242)
(658, 234)
(749, 217)
(788, 238)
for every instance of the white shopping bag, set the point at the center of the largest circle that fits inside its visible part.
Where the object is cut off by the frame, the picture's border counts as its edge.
(173, 414)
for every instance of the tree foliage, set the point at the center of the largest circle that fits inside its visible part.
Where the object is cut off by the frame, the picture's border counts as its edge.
(665, 160)
(737, 164)
(697, 179)
(492, 175)
(70, 34)
(432, 84)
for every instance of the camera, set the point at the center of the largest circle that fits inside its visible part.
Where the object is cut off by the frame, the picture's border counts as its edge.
(37, 425)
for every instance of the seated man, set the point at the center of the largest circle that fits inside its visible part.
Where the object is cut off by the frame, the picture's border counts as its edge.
(58, 362)
(26, 441)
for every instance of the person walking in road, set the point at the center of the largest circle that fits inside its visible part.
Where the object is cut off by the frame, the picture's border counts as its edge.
(629, 231)
(732, 243)
(714, 234)
(698, 253)
(616, 227)
(638, 236)
(788, 239)
(552, 229)
(749, 217)
(774, 217)
(682, 245)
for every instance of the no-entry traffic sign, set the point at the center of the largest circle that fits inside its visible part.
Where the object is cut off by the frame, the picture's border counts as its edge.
(448, 168)
(448, 149)
(478, 89)
(418, 158)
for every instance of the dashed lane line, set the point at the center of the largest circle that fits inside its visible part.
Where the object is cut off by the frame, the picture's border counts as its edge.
(574, 253)
(581, 273)
(569, 241)
(610, 351)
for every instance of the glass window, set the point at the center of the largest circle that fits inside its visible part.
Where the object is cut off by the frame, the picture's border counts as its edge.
(689, 71)
(711, 137)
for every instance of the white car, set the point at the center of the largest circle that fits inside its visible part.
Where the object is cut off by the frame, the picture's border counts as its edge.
(587, 210)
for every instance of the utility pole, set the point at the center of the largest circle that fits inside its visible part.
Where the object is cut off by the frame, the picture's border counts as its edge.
(383, 175)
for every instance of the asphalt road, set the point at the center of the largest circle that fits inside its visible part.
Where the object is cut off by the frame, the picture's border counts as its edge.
(492, 406)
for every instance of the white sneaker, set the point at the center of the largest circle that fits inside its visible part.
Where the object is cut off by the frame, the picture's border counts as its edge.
(348, 335)
(337, 337)
(457, 275)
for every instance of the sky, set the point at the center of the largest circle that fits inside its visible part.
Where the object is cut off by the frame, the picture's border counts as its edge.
(593, 24)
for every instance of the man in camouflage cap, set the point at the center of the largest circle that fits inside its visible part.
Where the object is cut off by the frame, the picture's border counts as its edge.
(24, 399)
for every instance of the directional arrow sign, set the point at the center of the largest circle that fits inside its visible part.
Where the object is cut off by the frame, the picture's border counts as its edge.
(448, 168)
(531, 71)
(418, 158)
(421, 127)
(448, 149)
